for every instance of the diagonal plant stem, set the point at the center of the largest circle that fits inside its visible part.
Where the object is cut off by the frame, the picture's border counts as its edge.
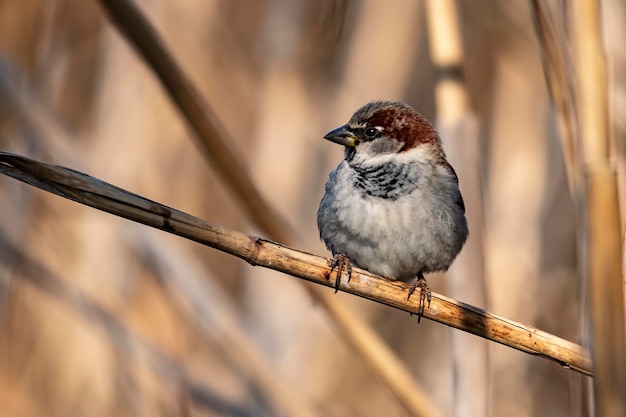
(557, 70)
(96, 193)
(211, 137)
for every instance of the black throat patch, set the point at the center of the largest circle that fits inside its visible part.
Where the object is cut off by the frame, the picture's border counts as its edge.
(386, 181)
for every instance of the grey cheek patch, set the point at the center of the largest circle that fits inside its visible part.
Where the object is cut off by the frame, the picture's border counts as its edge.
(384, 145)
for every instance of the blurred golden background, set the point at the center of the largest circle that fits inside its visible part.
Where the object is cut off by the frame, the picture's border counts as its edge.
(100, 316)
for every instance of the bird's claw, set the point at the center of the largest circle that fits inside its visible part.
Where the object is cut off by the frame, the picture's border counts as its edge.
(425, 294)
(340, 262)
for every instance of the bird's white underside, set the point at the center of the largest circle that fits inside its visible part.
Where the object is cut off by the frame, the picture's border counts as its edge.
(395, 238)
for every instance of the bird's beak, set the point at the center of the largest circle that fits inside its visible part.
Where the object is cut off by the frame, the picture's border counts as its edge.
(343, 136)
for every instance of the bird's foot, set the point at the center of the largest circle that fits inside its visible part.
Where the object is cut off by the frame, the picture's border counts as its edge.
(340, 262)
(425, 293)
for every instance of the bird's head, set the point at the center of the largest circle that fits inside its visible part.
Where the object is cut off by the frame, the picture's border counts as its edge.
(383, 128)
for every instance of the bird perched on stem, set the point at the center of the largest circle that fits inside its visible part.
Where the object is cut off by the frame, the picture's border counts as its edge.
(393, 205)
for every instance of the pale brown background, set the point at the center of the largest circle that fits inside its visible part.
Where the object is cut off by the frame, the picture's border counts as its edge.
(280, 74)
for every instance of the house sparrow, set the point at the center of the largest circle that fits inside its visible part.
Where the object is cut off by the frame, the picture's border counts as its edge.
(393, 205)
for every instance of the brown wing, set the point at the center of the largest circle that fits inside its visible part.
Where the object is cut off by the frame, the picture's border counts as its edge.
(448, 167)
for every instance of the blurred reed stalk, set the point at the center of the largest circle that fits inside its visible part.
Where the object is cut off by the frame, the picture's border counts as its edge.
(215, 143)
(603, 254)
(558, 71)
(211, 136)
(459, 130)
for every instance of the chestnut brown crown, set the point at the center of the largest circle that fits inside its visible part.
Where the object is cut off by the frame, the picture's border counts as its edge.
(396, 120)
(395, 126)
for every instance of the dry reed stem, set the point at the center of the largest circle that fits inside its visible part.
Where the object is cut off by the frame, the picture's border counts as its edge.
(603, 250)
(446, 52)
(558, 74)
(261, 252)
(214, 142)
(459, 129)
(559, 71)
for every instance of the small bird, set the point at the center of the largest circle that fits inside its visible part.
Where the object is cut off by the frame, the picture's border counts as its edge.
(393, 205)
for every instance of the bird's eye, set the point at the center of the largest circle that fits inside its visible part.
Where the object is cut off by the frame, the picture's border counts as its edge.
(371, 132)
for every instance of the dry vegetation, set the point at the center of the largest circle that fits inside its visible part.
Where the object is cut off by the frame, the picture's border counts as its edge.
(100, 316)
